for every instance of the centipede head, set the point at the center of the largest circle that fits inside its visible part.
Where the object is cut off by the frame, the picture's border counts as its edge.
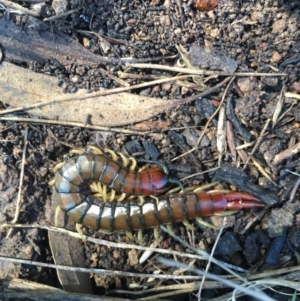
(160, 180)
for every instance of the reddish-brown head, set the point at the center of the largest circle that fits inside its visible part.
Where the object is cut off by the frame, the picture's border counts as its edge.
(159, 178)
(155, 180)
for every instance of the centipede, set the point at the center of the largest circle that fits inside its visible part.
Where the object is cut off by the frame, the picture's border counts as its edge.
(114, 171)
(85, 204)
(166, 209)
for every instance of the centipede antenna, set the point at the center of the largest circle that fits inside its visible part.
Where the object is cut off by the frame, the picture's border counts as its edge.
(164, 167)
(174, 181)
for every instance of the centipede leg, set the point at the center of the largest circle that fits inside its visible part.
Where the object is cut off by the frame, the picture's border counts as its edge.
(129, 235)
(99, 190)
(58, 211)
(226, 213)
(96, 187)
(58, 166)
(173, 190)
(121, 197)
(206, 224)
(94, 149)
(140, 237)
(170, 228)
(141, 200)
(112, 195)
(205, 187)
(79, 230)
(125, 161)
(133, 163)
(77, 151)
(156, 235)
(189, 226)
(112, 154)
(104, 194)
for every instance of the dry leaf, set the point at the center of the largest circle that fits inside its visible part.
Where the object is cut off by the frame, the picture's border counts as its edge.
(22, 87)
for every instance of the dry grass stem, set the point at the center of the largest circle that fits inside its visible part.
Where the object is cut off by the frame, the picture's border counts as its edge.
(60, 16)
(292, 95)
(278, 107)
(295, 149)
(209, 262)
(18, 204)
(79, 124)
(15, 8)
(102, 241)
(95, 271)
(195, 71)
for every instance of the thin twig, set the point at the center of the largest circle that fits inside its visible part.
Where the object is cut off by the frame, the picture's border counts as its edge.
(102, 241)
(200, 173)
(95, 271)
(209, 262)
(79, 124)
(287, 153)
(15, 8)
(63, 15)
(203, 253)
(196, 71)
(17, 212)
(254, 293)
(294, 191)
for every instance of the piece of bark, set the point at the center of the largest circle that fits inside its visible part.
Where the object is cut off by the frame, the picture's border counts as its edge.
(67, 250)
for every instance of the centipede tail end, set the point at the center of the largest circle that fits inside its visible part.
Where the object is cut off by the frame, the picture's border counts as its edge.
(242, 200)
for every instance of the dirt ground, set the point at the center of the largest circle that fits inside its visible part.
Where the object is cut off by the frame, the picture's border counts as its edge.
(259, 36)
